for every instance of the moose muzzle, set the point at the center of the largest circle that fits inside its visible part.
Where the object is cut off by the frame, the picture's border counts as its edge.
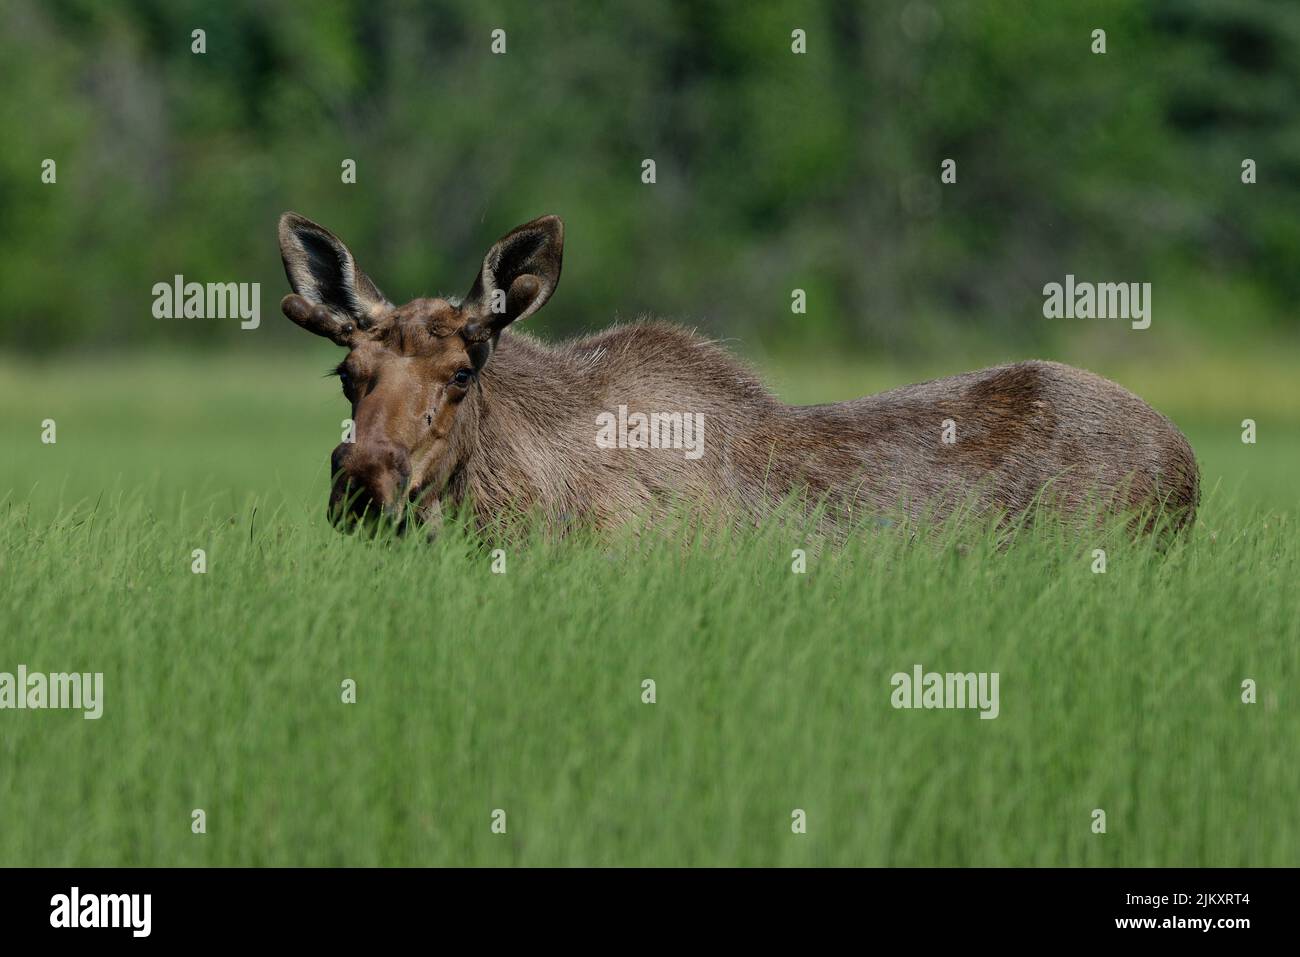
(369, 483)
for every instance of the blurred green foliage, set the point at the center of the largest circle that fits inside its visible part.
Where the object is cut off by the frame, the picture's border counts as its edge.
(774, 170)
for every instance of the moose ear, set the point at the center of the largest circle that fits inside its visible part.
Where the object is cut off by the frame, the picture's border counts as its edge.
(322, 271)
(519, 273)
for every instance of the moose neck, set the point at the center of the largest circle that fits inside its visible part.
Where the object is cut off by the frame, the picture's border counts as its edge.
(529, 434)
(518, 433)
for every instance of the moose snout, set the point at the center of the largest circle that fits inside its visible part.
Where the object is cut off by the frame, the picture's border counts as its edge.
(367, 482)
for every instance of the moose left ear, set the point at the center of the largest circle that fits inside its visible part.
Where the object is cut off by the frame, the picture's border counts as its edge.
(519, 273)
(322, 272)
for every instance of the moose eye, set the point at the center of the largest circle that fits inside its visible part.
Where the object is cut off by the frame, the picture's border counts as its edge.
(462, 377)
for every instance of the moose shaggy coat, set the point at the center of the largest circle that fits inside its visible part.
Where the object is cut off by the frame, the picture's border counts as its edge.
(451, 406)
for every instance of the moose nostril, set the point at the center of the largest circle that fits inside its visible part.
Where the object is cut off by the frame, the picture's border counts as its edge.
(367, 480)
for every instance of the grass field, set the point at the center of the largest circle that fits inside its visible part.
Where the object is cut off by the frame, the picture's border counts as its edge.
(522, 691)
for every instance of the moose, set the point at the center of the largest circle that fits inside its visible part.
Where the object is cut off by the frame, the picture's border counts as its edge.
(453, 406)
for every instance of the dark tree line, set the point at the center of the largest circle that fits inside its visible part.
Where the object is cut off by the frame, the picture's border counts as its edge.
(774, 170)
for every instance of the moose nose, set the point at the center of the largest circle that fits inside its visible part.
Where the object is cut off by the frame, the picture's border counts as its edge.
(366, 481)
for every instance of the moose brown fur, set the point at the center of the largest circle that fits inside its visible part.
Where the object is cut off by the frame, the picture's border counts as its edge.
(450, 406)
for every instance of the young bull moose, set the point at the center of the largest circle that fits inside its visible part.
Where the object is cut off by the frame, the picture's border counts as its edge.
(451, 405)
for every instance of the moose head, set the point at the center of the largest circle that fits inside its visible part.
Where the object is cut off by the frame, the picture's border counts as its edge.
(410, 369)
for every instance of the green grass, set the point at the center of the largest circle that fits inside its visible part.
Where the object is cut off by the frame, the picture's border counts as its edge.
(522, 691)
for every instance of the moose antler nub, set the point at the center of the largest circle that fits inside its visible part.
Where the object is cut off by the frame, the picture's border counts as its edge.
(316, 319)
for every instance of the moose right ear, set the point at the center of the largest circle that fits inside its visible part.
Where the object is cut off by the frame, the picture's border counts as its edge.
(519, 273)
(321, 271)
